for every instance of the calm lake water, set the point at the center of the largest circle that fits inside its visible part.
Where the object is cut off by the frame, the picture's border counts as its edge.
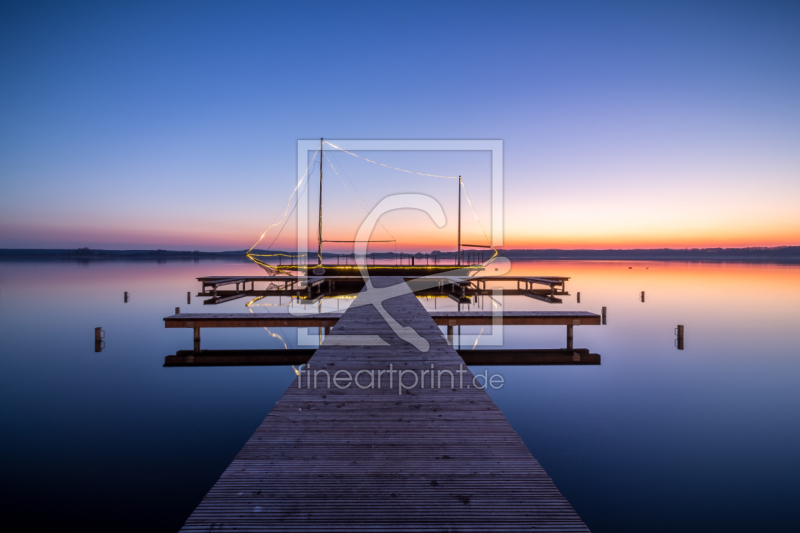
(653, 439)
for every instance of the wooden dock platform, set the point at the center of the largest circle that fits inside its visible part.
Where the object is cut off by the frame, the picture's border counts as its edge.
(442, 318)
(462, 289)
(384, 459)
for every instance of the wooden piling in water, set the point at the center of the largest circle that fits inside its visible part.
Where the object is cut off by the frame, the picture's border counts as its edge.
(569, 338)
(99, 343)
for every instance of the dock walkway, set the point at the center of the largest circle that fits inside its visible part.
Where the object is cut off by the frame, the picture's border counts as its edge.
(384, 459)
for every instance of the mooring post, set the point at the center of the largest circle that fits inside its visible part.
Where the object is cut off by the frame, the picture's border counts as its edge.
(569, 338)
(126, 297)
(603, 313)
(642, 297)
(188, 297)
(579, 297)
(196, 340)
(679, 333)
(177, 310)
(99, 343)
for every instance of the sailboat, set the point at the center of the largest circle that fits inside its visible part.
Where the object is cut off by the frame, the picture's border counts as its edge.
(462, 263)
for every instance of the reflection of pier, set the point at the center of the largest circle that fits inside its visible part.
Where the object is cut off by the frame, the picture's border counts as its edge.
(384, 458)
(462, 289)
(301, 356)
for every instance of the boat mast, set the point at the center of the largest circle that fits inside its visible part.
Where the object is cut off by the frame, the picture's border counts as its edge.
(459, 221)
(319, 231)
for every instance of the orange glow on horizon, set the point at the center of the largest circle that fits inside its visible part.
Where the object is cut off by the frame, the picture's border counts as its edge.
(418, 234)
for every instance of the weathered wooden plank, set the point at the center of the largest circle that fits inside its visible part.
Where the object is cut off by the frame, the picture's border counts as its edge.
(251, 320)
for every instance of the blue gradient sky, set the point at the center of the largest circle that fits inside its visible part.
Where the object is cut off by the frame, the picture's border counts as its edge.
(625, 124)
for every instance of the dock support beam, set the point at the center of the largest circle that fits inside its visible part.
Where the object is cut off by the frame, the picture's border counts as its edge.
(196, 340)
(569, 338)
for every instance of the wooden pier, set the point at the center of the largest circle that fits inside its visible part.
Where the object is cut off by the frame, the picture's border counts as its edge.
(462, 289)
(198, 321)
(330, 459)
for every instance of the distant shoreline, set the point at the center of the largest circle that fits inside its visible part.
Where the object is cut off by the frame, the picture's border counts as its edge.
(781, 254)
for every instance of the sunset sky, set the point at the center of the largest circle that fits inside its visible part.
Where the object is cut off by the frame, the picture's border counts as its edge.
(624, 124)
